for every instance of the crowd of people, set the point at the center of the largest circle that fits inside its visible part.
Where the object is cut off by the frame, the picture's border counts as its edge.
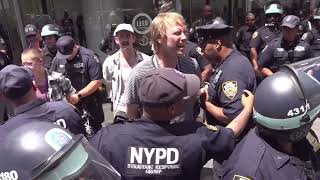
(247, 100)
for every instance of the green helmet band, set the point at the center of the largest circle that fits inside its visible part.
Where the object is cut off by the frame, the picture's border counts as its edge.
(286, 124)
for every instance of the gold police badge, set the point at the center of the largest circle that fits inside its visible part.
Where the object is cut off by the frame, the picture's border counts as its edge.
(230, 89)
(212, 128)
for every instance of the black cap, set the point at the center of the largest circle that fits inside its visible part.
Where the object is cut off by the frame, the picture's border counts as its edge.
(165, 86)
(291, 21)
(216, 29)
(65, 45)
(30, 30)
(15, 81)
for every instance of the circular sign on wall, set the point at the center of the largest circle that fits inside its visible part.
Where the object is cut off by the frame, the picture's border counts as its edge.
(141, 23)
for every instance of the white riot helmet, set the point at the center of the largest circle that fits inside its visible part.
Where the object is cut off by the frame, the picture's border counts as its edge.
(50, 29)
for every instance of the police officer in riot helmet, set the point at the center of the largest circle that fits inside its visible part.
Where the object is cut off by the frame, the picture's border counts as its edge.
(313, 37)
(283, 50)
(50, 34)
(41, 150)
(266, 33)
(283, 145)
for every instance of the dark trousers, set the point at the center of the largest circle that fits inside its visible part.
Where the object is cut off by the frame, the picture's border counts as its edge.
(95, 111)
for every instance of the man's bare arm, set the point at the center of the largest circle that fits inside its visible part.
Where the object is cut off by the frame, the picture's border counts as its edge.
(254, 59)
(239, 123)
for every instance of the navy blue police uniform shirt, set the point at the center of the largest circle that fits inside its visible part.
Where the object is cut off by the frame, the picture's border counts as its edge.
(84, 68)
(192, 50)
(58, 112)
(81, 70)
(243, 38)
(262, 37)
(312, 38)
(254, 158)
(143, 149)
(58, 65)
(279, 52)
(231, 77)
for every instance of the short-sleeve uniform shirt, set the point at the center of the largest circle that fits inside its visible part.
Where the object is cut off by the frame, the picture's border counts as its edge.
(262, 37)
(232, 75)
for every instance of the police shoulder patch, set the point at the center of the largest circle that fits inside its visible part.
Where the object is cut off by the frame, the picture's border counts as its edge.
(238, 177)
(304, 36)
(199, 50)
(230, 89)
(96, 58)
(255, 34)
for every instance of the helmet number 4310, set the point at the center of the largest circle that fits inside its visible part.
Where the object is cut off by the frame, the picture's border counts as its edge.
(299, 110)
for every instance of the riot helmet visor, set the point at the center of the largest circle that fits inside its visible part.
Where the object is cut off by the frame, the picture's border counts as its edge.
(78, 161)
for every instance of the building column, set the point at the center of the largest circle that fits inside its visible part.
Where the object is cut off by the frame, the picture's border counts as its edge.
(19, 23)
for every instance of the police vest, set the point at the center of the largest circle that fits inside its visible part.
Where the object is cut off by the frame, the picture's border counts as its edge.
(287, 55)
